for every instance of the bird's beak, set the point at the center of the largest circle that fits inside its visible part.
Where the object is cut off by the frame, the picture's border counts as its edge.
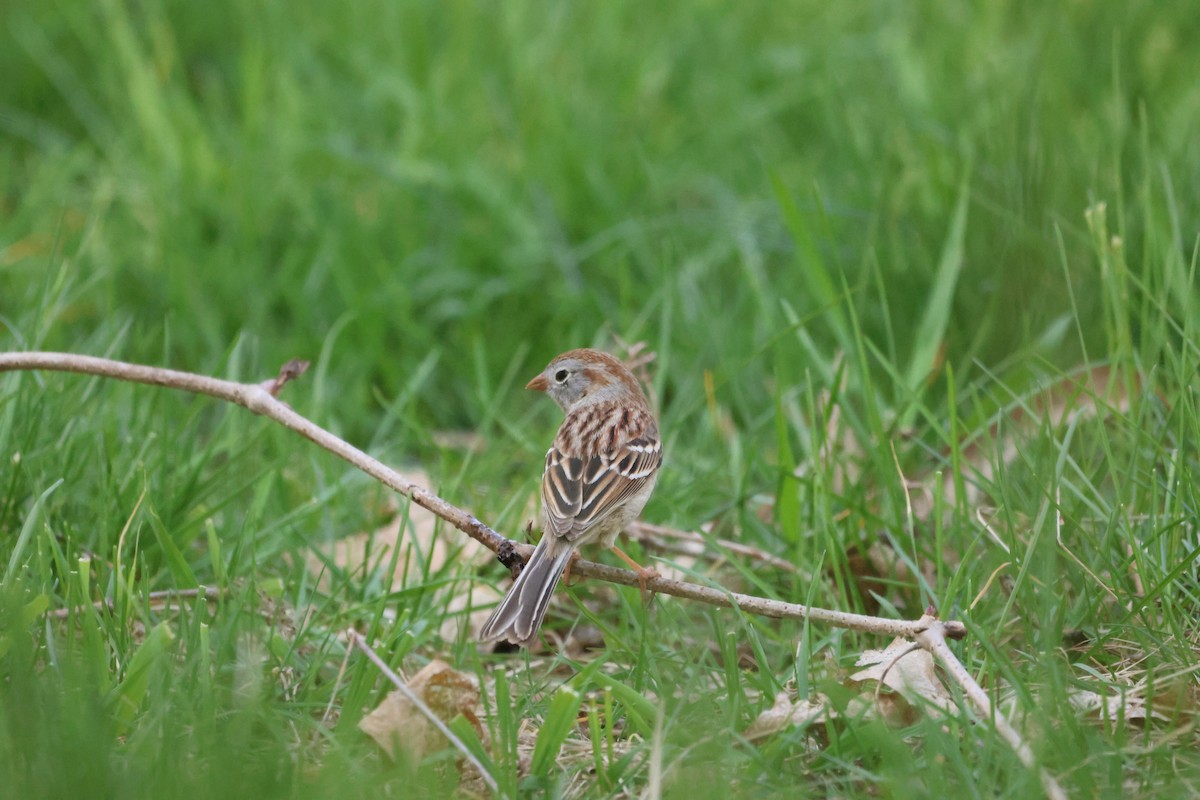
(538, 384)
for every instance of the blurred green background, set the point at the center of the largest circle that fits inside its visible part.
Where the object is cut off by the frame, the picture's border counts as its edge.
(385, 181)
(884, 202)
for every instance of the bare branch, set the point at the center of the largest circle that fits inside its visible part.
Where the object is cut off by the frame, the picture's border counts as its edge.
(930, 632)
(761, 606)
(258, 398)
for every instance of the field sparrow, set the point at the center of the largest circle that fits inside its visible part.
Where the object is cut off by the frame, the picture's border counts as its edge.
(599, 473)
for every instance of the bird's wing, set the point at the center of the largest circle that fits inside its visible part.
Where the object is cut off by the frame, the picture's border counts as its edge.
(579, 493)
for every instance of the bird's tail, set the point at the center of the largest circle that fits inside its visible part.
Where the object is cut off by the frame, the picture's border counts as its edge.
(520, 613)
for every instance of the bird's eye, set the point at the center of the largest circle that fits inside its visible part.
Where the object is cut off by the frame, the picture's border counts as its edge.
(561, 376)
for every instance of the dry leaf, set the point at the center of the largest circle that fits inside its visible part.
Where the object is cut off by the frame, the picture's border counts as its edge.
(397, 720)
(787, 713)
(1129, 706)
(909, 674)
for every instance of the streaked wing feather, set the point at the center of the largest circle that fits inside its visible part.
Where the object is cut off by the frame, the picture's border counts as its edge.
(561, 488)
(577, 496)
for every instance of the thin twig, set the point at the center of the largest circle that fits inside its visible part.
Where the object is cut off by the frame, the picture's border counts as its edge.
(433, 718)
(337, 686)
(752, 604)
(209, 593)
(695, 544)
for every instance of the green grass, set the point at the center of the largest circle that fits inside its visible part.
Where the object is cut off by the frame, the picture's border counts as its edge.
(883, 230)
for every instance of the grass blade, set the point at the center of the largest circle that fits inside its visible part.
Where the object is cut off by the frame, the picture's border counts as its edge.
(932, 329)
(559, 722)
